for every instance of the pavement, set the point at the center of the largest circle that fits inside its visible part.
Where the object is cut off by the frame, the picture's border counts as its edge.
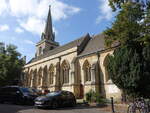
(9, 108)
(80, 108)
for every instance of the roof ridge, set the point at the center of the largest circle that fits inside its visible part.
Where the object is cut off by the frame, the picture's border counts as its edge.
(84, 36)
(61, 48)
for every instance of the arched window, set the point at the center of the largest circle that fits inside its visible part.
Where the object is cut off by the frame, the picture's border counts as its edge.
(65, 72)
(87, 71)
(107, 77)
(45, 79)
(35, 78)
(51, 47)
(40, 50)
(30, 78)
(39, 76)
(51, 74)
(27, 78)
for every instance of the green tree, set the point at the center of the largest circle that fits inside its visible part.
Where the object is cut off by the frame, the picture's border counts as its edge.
(129, 65)
(118, 4)
(11, 65)
(144, 12)
(145, 81)
(146, 26)
(128, 69)
(2, 48)
(127, 27)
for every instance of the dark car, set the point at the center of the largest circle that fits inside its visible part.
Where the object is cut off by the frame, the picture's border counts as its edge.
(36, 91)
(17, 95)
(56, 99)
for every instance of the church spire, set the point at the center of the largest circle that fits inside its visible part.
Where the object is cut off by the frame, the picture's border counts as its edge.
(48, 32)
(47, 41)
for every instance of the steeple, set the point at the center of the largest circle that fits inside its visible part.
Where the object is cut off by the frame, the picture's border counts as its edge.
(47, 41)
(48, 32)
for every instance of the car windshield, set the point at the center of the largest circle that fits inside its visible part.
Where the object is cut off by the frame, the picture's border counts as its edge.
(34, 90)
(53, 94)
(26, 90)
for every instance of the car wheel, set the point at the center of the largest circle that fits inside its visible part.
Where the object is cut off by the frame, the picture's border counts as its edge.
(25, 102)
(1, 102)
(16, 102)
(55, 104)
(38, 107)
(73, 103)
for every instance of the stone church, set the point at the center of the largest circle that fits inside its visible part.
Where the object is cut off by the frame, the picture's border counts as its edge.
(78, 66)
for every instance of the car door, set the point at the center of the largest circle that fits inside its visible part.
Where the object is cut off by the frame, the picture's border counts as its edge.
(2, 94)
(70, 98)
(6, 94)
(64, 98)
(15, 94)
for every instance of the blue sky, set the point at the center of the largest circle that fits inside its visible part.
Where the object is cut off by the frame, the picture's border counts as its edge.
(22, 21)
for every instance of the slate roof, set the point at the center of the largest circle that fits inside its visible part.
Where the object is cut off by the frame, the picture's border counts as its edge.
(95, 44)
(59, 49)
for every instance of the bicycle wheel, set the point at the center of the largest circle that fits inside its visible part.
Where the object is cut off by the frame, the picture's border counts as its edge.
(130, 109)
(145, 110)
(138, 110)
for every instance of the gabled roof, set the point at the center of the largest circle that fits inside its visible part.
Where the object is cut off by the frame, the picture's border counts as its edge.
(95, 44)
(75, 43)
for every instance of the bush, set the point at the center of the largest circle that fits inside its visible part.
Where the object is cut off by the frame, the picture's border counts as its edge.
(92, 96)
(89, 96)
(129, 70)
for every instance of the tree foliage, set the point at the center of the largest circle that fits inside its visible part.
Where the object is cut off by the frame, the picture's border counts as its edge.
(126, 28)
(146, 26)
(132, 23)
(128, 69)
(11, 64)
(129, 65)
(118, 4)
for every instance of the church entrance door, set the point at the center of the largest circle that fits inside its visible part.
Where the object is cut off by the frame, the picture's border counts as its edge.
(81, 91)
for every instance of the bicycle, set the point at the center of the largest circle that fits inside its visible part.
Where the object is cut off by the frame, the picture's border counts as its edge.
(138, 106)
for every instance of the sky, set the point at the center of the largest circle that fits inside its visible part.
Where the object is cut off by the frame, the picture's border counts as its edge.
(23, 21)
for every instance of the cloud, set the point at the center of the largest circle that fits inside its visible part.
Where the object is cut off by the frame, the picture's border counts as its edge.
(33, 25)
(3, 6)
(19, 30)
(4, 27)
(61, 10)
(29, 42)
(105, 11)
(32, 13)
(20, 8)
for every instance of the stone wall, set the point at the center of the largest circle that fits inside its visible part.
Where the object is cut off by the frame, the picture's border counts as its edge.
(99, 80)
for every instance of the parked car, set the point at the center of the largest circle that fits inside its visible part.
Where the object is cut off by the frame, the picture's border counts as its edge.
(17, 95)
(36, 91)
(56, 99)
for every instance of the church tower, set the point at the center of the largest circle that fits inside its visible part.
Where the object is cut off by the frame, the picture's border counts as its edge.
(47, 41)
